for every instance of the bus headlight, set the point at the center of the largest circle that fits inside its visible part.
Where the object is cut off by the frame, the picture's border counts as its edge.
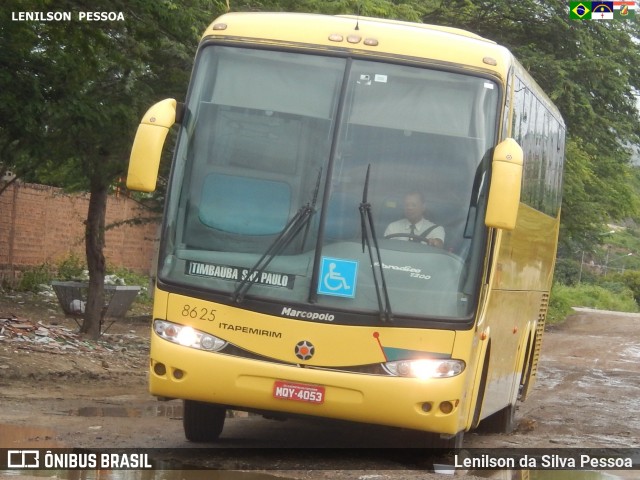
(425, 368)
(188, 336)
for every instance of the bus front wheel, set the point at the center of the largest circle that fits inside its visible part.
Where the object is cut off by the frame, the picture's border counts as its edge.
(503, 421)
(447, 442)
(202, 422)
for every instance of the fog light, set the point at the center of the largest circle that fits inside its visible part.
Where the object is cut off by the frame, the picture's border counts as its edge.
(426, 407)
(446, 407)
(178, 374)
(160, 369)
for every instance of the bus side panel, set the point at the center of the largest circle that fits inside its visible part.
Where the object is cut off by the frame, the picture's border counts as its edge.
(511, 313)
(521, 284)
(471, 344)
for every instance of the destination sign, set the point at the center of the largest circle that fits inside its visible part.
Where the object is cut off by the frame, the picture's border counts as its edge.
(229, 272)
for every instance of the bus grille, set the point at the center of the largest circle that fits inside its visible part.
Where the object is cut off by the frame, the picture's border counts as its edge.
(371, 369)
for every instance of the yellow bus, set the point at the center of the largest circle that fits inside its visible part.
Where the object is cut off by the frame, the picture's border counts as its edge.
(290, 280)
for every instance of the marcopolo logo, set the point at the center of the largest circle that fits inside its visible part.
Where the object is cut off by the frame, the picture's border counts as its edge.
(290, 312)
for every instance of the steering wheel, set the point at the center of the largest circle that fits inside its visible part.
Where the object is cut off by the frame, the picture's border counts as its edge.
(422, 238)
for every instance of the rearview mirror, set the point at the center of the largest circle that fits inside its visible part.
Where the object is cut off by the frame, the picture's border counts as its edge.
(506, 182)
(147, 146)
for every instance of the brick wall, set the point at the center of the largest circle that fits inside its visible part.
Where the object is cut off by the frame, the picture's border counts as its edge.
(41, 224)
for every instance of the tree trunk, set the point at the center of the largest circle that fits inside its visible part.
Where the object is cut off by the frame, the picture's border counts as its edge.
(94, 245)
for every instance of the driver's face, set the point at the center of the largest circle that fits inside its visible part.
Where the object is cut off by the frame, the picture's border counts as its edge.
(413, 208)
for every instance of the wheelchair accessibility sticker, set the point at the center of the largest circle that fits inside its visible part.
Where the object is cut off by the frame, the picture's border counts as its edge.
(338, 277)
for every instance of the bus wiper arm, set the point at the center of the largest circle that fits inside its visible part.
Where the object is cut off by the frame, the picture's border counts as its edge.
(368, 237)
(290, 231)
(282, 241)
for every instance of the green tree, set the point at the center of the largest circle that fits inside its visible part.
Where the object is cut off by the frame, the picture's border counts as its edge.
(591, 71)
(86, 86)
(631, 279)
(21, 98)
(408, 10)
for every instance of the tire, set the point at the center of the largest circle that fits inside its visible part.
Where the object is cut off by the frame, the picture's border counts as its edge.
(202, 422)
(503, 421)
(453, 442)
(436, 441)
(481, 391)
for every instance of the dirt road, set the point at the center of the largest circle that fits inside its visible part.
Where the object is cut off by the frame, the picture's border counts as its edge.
(75, 393)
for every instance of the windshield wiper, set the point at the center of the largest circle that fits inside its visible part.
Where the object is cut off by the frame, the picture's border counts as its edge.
(290, 231)
(368, 237)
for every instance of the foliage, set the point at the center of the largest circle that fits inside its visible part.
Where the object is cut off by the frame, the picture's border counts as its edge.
(619, 245)
(583, 216)
(84, 91)
(132, 278)
(409, 10)
(32, 279)
(629, 280)
(93, 82)
(560, 303)
(37, 278)
(71, 268)
(567, 271)
(564, 297)
(591, 71)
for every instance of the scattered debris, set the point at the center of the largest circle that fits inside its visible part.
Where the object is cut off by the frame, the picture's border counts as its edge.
(39, 342)
(25, 334)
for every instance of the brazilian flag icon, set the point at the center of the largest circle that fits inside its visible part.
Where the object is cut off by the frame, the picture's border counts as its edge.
(580, 10)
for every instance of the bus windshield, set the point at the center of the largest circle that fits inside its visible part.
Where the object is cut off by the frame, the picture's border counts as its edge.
(277, 151)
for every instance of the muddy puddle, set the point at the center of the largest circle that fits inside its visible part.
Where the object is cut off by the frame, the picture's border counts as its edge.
(570, 475)
(235, 475)
(159, 410)
(139, 475)
(25, 437)
(543, 475)
(17, 436)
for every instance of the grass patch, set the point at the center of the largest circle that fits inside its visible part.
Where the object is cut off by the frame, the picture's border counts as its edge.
(564, 297)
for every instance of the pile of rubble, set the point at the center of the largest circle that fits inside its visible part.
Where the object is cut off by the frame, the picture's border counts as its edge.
(25, 334)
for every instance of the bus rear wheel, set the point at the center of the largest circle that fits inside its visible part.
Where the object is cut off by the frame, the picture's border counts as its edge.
(202, 422)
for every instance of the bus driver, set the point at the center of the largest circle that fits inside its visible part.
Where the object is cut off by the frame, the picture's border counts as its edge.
(414, 226)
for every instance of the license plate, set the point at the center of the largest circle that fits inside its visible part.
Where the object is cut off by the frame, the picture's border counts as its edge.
(300, 392)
